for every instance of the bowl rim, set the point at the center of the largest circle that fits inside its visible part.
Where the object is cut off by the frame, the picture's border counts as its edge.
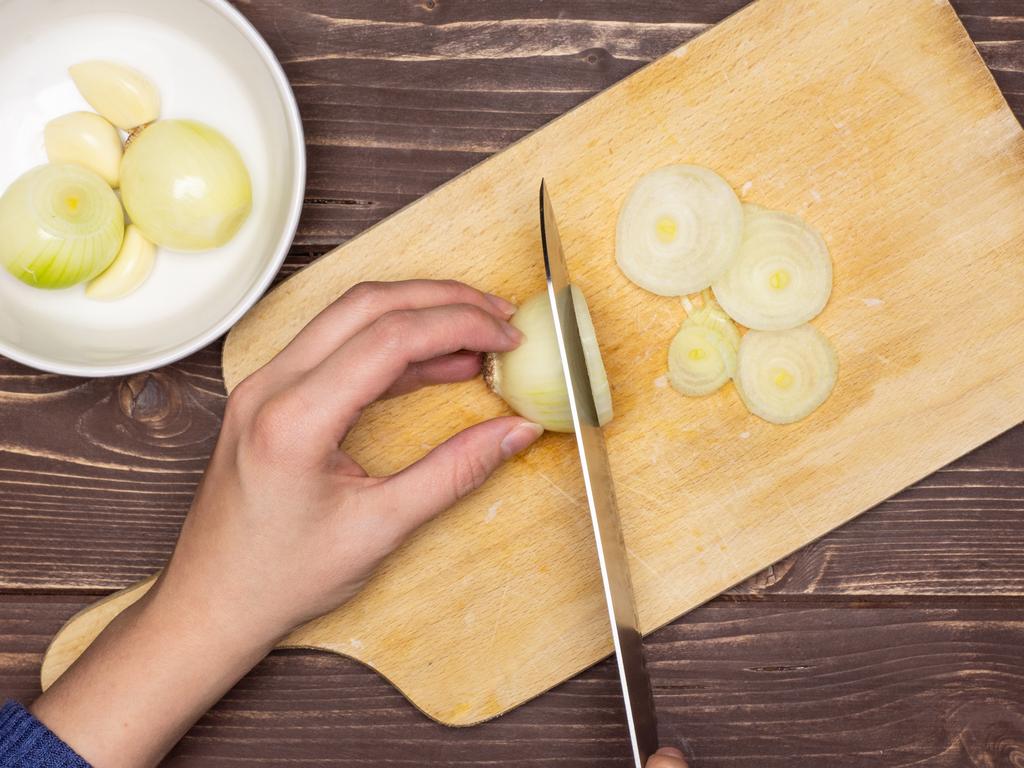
(255, 291)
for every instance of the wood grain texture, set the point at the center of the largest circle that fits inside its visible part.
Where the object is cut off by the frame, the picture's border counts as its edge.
(808, 107)
(957, 534)
(775, 684)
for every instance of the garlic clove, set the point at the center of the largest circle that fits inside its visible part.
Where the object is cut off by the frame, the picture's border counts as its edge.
(86, 139)
(121, 94)
(128, 271)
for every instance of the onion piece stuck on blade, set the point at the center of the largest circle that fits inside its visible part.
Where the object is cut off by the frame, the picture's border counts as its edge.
(702, 356)
(782, 276)
(61, 225)
(783, 376)
(530, 378)
(678, 230)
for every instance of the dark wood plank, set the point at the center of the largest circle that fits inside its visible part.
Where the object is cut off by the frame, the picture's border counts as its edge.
(95, 471)
(767, 683)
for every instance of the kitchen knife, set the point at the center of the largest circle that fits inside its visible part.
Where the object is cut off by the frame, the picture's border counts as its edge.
(604, 513)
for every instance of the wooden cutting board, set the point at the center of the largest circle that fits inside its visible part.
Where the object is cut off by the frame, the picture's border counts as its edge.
(875, 120)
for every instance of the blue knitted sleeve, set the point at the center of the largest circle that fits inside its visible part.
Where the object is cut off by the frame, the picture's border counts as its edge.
(27, 743)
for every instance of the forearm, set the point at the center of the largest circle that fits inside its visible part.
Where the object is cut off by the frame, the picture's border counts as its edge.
(146, 679)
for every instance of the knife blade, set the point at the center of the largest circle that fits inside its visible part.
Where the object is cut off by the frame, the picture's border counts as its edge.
(600, 491)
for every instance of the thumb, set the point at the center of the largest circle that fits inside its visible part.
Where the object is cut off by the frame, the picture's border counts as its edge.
(667, 757)
(455, 468)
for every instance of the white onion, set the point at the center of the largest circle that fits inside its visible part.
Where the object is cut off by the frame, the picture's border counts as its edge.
(699, 361)
(711, 316)
(783, 376)
(782, 276)
(60, 225)
(702, 356)
(679, 230)
(185, 185)
(530, 377)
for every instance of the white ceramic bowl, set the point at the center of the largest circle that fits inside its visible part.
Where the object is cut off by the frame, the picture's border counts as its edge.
(211, 65)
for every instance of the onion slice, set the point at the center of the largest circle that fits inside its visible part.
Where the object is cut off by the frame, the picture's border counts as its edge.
(678, 230)
(530, 378)
(712, 316)
(782, 276)
(702, 356)
(783, 376)
(699, 361)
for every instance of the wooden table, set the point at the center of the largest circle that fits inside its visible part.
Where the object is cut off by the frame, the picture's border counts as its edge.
(897, 640)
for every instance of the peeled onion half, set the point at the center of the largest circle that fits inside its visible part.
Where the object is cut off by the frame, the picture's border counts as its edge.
(530, 377)
(59, 225)
(185, 186)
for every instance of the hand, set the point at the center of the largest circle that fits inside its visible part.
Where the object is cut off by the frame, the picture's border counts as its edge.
(667, 757)
(285, 525)
(280, 500)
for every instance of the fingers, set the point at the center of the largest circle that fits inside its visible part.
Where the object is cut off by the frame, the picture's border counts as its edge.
(451, 471)
(460, 366)
(364, 303)
(371, 362)
(667, 757)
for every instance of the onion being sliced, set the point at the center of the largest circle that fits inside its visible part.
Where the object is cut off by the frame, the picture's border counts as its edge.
(783, 376)
(530, 378)
(60, 225)
(679, 230)
(782, 276)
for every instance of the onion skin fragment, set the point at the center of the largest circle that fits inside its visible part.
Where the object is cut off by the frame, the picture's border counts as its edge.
(530, 378)
(185, 185)
(678, 230)
(784, 376)
(782, 276)
(61, 225)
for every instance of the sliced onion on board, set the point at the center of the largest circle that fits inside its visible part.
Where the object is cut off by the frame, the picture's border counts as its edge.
(702, 356)
(782, 276)
(783, 376)
(700, 361)
(679, 229)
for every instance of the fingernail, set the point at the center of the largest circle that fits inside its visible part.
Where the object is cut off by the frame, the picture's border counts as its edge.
(520, 437)
(513, 333)
(506, 307)
(671, 752)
